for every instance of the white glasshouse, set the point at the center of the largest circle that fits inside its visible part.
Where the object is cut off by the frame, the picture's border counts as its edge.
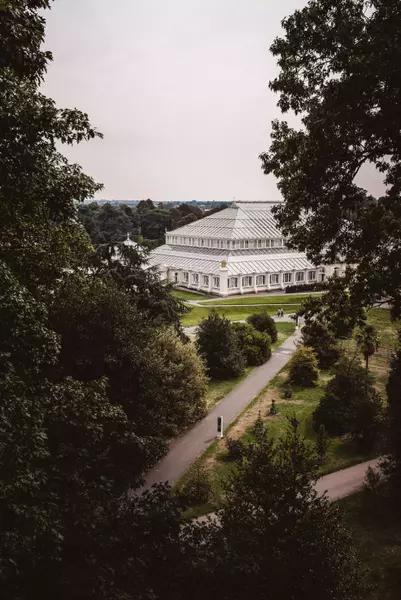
(238, 250)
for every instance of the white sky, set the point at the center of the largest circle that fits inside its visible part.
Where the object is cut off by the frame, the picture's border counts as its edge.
(179, 88)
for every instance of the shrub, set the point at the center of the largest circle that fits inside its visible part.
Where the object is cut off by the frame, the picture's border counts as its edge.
(303, 367)
(264, 323)
(307, 287)
(259, 429)
(219, 346)
(351, 404)
(317, 335)
(322, 443)
(178, 381)
(288, 391)
(254, 345)
(235, 448)
(196, 488)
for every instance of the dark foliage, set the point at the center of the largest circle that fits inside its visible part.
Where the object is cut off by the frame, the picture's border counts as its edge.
(322, 444)
(302, 368)
(254, 344)
(110, 223)
(235, 449)
(336, 309)
(319, 286)
(273, 522)
(218, 344)
(263, 323)
(317, 335)
(196, 488)
(338, 69)
(392, 462)
(351, 404)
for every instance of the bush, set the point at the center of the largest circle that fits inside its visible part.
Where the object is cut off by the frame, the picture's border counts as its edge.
(351, 404)
(307, 287)
(254, 345)
(264, 323)
(235, 448)
(303, 367)
(219, 346)
(322, 443)
(196, 488)
(317, 335)
(288, 392)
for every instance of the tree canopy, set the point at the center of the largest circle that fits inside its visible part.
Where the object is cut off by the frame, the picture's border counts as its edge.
(339, 71)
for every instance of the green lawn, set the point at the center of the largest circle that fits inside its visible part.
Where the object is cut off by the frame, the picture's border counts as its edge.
(378, 539)
(234, 313)
(277, 300)
(185, 295)
(218, 389)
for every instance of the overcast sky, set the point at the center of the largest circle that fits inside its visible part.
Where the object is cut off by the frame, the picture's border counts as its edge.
(179, 88)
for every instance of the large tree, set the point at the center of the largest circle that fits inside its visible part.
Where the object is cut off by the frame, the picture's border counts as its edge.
(70, 329)
(339, 71)
(278, 539)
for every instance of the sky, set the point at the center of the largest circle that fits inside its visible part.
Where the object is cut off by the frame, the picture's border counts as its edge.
(179, 88)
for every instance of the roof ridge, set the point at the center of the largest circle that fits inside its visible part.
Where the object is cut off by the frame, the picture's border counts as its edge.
(235, 222)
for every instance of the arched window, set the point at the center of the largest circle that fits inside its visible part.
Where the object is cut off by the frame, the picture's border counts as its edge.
(322, 273)
(336, 271)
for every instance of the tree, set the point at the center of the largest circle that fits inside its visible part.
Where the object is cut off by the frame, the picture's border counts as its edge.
(392, 462)
(254, 345)
(69, 451)
(336, 310)
(367, 342)
(302, 367)
(125, 266)
(263, 322)
(273, 522)
(322, 443)
(338, 70)
(317, 336)
(108, 223)
(351, 404)
(66, 453)
(218, 344)
(196, 488)
(178, 383)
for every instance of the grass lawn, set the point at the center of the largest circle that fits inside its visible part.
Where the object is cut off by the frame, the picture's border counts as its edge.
(379, 543)
(258, 299)
(185, 295)
(234, 313)
(218, 389)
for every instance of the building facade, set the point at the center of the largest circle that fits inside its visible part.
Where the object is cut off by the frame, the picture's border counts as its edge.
(238, 250)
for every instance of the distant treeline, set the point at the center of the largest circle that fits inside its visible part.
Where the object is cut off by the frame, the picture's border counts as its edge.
(111, 222)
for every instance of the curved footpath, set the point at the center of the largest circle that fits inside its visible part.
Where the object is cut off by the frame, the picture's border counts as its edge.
(185, 449)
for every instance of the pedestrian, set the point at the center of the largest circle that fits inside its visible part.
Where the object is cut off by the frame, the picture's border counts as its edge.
(278, 313)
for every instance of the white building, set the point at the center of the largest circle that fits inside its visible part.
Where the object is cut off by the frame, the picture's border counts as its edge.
(235, 251)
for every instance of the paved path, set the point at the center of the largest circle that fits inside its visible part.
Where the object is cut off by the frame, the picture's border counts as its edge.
(194, 442)
(345, 482)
